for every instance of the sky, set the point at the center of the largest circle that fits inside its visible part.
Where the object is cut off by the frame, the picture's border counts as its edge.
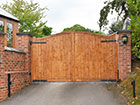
(66, 13)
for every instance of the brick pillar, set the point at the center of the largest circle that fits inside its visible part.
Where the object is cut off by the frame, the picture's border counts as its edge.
(124, 54)
(23, 43)
(3, 76)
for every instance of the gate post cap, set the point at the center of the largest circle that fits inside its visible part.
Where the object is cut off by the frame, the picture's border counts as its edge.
(25, 33)
(2, 33)
(124, 31)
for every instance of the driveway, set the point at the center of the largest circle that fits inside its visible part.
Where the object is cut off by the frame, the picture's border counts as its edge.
(67, 93)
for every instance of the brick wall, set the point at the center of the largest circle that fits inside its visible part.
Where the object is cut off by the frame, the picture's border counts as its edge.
(3, 77)
(23, 43)
(14, 61)
(14, 64)
(17, 63)
(124, 54)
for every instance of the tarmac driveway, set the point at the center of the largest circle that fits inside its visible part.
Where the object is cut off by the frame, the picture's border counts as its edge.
(66, 93)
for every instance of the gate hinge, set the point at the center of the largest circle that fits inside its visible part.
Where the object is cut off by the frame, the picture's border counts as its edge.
(37, 42)
(102, 41)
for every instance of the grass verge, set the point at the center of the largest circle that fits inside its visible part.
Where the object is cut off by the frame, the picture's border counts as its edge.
(126, 86)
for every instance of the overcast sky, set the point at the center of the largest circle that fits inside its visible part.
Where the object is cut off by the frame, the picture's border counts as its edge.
(66, 13)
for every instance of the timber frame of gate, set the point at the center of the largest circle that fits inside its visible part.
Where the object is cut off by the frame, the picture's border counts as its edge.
(117, 76)
(124, 53)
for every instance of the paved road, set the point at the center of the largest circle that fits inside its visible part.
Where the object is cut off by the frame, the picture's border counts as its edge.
(64, 93)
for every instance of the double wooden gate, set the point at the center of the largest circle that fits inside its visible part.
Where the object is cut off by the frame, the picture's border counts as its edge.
(75, 56)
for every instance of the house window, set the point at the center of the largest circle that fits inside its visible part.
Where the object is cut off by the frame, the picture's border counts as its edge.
(1, 26)
(9, 34)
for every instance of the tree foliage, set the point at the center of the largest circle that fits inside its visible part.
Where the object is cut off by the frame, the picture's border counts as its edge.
(116, 26)
(78, 27)
(30, 15)
(124, 8)
(134, 7)
(118, 6)
(46, 31)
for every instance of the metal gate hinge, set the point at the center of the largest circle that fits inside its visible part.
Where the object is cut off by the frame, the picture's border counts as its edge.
(102, 41)
(37, 42)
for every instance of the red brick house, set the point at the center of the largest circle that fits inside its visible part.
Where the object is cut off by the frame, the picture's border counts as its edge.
(8, 24)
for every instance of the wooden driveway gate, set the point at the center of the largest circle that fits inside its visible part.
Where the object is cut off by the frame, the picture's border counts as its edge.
(75, 56)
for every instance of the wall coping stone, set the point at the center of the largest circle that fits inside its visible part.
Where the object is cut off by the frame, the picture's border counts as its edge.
(14, 50)
(2, 33)
(124, 31)
(25, 34)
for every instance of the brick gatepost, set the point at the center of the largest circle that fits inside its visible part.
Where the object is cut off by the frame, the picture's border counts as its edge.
(124, 54)
(3, 76)
(23, 43)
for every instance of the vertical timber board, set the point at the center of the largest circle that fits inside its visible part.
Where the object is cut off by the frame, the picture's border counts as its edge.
(72, 65)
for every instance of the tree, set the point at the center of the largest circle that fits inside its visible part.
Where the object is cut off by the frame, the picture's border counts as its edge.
(116, 26)
(135, 26)
(30, 15)
(78, 27)
(124, 8)
(134, 14)
(118, 6)
(46, 31)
